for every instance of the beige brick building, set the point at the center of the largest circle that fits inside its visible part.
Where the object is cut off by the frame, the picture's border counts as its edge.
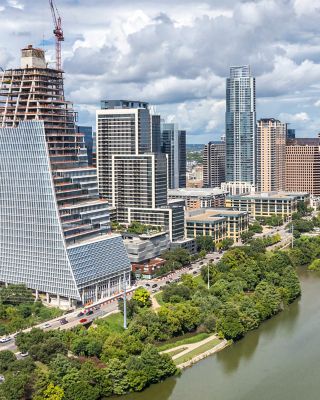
(303, 165)
(271, 155)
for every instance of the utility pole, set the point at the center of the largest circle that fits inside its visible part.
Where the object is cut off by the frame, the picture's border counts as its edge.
(208, 277)
(292, 234)
(124, 302)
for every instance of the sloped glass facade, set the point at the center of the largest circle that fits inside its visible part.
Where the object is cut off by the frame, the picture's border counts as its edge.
(32, 247)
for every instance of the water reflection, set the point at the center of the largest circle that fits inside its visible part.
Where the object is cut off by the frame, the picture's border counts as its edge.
(230, 359)
(154, 392)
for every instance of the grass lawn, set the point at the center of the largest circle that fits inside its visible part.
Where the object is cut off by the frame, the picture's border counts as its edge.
(113, 321)
(177, 351)
(186, 339)
(199, 350)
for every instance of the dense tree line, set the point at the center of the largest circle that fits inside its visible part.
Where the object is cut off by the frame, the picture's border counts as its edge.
(247, 286)
(19, 310)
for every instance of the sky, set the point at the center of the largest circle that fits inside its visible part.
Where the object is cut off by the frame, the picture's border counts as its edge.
(176, 54)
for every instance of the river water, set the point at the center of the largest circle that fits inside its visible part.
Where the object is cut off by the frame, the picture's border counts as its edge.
(279, 361)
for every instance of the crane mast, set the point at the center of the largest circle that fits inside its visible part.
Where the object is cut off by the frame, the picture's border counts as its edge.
(58, 32)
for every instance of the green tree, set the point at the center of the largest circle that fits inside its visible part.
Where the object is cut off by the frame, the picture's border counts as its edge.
(53, 392)
(142, 297)
(7, 358)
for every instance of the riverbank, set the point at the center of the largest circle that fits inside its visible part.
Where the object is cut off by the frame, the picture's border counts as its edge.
(279, 360)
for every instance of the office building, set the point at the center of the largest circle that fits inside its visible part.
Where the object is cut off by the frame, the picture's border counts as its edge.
(241, 126)
(198, 197)
(271, 155)
(214, 164)
(283, 204)
(88, 140)
(303, 165)
(131, 177)
(291, 133)
(235, 188)
(138, 181)
(173, 143)
(218, 223)
(155, 133)
(55, 230)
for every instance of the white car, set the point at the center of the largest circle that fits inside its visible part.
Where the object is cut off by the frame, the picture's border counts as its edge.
(2, 378)
(46, 325)
(5, 339)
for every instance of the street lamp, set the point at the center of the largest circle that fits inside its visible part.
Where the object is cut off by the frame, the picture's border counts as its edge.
(208, 278)
(124, 302)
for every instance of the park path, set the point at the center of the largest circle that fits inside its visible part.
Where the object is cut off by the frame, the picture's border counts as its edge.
(155, 304)
(190, 347)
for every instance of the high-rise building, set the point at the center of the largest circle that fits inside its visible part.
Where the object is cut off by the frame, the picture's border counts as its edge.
(55, 230)
(241, 126)
(88, 140)
(303, 165)
(156, 133)
(291, 133)
(138, 181)
(214, 164)
(174, 145)
(271, 155)
(131, 177)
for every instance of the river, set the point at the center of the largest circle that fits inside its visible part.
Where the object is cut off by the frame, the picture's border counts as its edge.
(278, 361)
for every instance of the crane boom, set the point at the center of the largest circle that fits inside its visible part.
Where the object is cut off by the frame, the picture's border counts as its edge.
(58, 32)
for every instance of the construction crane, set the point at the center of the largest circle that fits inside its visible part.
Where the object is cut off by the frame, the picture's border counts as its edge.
(58, 32)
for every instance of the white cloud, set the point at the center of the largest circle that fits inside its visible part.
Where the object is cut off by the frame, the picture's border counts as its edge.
(176, 54)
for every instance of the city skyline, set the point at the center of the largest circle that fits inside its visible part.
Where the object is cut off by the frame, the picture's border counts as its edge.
(190, 86)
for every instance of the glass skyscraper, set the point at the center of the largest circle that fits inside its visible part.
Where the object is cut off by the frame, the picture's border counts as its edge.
(55, 234)
(241, 126)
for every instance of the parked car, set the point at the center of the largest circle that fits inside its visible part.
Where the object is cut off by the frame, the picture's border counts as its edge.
(81, 314)
(90, 312)
(83, 320)
(24, 354)
(194, 272)
(147, 284)
(5, 339)
(154, 285)
(63, 321)
(167, 282)
(46, 325)
(201, 262)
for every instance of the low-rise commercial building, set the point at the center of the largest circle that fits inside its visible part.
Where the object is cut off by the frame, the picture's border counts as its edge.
(283, 204)
(142, 248)
(199, 197)
(218, 223)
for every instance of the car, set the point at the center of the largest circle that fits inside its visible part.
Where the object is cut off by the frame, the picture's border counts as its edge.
(194, 272)
(46, 325)
(81, 314)
(190, 268)
(147, 284)
(83, 320)
(154, 290)
(23, 354)
(201, 262)
(90, 312)
(2, 378)
(167, 282)
(97, 307)
(154, 285)
(5, 339)
(63, 321)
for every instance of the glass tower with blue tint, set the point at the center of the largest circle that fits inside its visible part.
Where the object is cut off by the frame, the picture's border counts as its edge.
(241, 126)
(55, 232)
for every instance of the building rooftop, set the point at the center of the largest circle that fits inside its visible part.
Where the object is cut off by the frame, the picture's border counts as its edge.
(196, 192)
(271, 195)
(212, 214)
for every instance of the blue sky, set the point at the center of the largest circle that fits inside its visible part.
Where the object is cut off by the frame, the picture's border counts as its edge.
(176, 55)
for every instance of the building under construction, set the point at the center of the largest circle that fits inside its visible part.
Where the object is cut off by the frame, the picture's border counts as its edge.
(63, 249)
